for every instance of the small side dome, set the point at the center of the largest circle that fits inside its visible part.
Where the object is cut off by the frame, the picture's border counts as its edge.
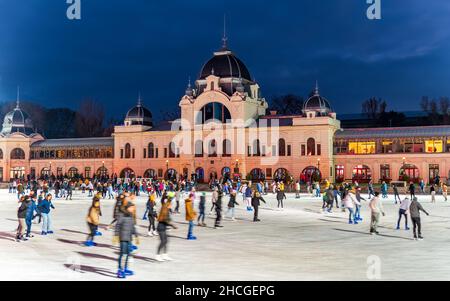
(317, 103)
(139, 115)
(17, 121)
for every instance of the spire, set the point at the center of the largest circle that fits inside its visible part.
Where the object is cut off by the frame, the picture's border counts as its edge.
(189, 90)
(18, 97)
(225, 38)
(139, 103)
(316, 89)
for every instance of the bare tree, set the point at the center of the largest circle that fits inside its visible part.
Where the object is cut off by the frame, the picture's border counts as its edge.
(373, 107)
(425, 104)
(289, 104)
(89, 119)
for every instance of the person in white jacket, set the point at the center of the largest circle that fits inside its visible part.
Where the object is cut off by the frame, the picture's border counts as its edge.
(376, 208)
(349, 201)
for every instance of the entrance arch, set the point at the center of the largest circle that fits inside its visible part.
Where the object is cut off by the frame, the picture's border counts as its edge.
(257, 175)
(280, 175)
(72, 172)
(361, 174)
(171, 174)
(127, 173)
(102, 172)
(150, 173)
(200, 175)
(409, 172)
(46, 172)
(311, 174)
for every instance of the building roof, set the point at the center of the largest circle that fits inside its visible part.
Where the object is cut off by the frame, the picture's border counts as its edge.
(17, 121)
(397, 132)
(225, 64)
(76, 142)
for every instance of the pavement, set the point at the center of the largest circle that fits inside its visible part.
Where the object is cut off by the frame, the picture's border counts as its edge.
(299, 242)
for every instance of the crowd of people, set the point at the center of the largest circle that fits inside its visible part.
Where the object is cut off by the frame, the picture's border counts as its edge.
(35, 204)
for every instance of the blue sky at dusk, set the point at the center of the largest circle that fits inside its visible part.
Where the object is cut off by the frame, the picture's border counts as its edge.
(121, 47)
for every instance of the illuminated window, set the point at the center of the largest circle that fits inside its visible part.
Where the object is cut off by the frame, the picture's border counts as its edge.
(434, 146)
(362, 147)
(387, 146)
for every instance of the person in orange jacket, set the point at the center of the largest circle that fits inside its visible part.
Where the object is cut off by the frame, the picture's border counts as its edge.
(190, 215)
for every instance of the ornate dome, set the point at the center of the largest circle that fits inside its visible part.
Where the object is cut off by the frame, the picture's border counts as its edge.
(17, 121)
(139, 115)
(225, 64)
(317, 103)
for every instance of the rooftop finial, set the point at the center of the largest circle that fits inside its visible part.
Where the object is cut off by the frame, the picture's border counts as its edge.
(189, 90)
(225, 38)
(139, 103)
(316, 90)
(18, 97)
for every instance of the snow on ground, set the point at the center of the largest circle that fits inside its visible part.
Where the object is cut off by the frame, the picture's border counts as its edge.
(297, 243)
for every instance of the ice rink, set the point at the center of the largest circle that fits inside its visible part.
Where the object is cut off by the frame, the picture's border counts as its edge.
(297, 243)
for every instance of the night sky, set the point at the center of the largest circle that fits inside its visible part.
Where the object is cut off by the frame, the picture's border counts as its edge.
(122, 47)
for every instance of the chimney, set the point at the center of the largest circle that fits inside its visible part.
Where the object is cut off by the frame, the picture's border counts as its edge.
(273, 113)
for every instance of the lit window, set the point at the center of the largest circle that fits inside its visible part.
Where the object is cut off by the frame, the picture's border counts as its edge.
(367, 147)
(434, 146)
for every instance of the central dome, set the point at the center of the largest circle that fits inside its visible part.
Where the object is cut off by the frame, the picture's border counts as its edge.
(225, 64)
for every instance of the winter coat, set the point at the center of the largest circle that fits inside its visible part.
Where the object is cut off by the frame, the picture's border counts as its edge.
(201, 205)
(30, 210)
(190, 213)
(125, 228)
(232, 201)
(151, 207)
(22, 210)
(281, 195)
(45, 206)
(93, 216)
(414, 209)
(256, 201)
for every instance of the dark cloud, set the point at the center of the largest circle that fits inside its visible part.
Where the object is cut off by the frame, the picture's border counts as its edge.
(122, 47)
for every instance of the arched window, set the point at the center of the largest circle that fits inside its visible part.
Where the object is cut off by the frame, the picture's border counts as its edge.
(213, 111)
(1, 154)
(212, 148)
(361, 174)
(226, 148)
(310, 174)
(172, 150)
(257, 175)
(127, 173)
(281, 175)
(150, 173)
(256, 148)
(73, 172)
(281, 147)
(311, 147)
(102, 172)
(200, 174)
(151, 150)
(199, 148)
(409, 172)
(127, 151)
(17, 154)
(171, 174)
